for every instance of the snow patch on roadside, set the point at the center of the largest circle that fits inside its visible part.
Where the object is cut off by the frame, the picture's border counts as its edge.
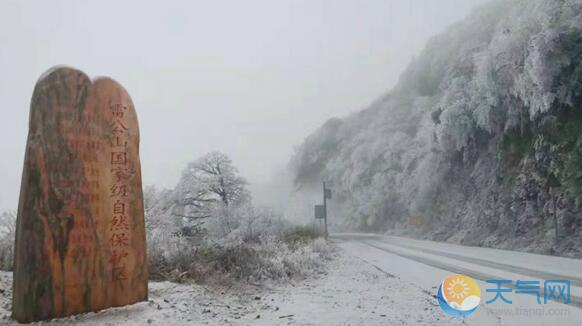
(349, 291)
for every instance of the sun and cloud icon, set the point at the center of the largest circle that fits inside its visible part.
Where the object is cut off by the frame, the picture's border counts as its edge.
(459, 295)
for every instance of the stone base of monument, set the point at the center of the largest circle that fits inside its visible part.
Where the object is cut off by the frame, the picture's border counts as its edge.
(80, 237)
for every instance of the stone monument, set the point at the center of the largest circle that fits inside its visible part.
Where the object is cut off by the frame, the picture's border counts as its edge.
(80, 234)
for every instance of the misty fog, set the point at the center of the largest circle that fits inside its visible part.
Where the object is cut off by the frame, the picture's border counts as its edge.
(251, 79)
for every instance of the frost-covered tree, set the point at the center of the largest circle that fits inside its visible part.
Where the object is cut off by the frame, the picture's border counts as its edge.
(486, 82)
(158, 207)
(209, 182)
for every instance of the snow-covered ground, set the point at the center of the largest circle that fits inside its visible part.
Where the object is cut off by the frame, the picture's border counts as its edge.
(350, 292)
(371, 280)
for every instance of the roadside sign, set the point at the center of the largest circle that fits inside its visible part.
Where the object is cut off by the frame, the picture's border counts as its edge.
(327, 193)
(319, 211)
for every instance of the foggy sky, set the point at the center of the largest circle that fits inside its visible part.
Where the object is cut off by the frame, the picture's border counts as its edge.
(249, 78)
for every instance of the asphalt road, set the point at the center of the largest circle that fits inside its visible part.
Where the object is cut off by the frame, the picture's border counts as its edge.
(426, 263)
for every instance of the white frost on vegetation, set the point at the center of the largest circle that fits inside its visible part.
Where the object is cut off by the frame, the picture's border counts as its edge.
(489, 73)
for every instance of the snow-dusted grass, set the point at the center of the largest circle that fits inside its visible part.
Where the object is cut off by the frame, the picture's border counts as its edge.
(255, 246)
(236, 242)
(289, 254)
(349, 292)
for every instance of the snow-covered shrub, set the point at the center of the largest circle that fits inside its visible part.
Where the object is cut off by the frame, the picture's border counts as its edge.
(300, 235)
(7, 234)
(208, 228)
(320, 246)
(239, 242)
(269, 258)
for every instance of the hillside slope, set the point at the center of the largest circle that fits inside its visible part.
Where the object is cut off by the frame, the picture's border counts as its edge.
(480, 142)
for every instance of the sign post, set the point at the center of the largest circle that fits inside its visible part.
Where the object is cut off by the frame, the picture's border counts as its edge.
(326, 195)
(321, 210)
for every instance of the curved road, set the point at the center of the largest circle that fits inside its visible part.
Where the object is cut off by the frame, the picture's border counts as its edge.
(426, 263)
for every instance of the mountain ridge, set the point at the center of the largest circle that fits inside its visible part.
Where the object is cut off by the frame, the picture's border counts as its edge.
(478, 143)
